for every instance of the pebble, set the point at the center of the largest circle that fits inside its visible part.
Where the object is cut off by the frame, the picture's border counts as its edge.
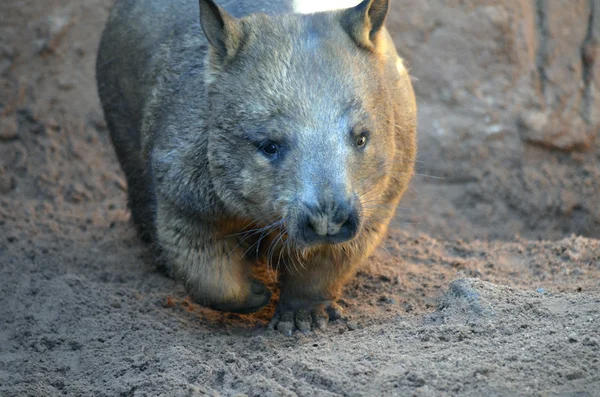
(9, 128)
(7, 56)
(352, 325)
(65, 83)
(534, 121)
(57, 27)
(7, 183)
(5, 65)
(116, 304)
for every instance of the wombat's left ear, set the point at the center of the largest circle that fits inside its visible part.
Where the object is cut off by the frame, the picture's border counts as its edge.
(364, 21)
(222, 30)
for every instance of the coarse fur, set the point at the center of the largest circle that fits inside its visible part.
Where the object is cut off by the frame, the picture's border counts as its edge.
(248, 131)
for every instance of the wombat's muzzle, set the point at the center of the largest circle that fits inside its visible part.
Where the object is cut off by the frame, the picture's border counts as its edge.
(328, 224)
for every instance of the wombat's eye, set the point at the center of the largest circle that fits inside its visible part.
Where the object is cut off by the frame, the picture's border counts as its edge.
(361, 141)
(270, 149)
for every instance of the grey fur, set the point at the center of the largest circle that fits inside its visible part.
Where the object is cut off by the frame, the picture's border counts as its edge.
(189, 122)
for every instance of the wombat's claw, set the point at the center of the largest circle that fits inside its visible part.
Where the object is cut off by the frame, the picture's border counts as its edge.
(305, 319)
(335, 312)
(259, 297)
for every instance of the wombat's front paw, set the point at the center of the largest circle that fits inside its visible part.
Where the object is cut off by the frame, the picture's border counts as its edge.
(303, 316)
(259, 296)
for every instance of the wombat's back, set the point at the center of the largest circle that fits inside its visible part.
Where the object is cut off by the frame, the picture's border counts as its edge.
(132, 34)
(126, 76)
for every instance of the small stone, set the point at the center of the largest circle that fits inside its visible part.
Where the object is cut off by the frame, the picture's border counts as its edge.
(547, 130)
(574, 375)
(7, 56)
(80, 51)
(30, 122)
(77, 193)
(386, 299)
(9, 128)
(591, 51)
(52, 123)
(55, 28)
(65, 84)
(97, 121)
(5, 65)
(7, 182)
(572, 337)
(352, 325)
(121, 184)
(534, 121)
(230, 357)
(415, 379)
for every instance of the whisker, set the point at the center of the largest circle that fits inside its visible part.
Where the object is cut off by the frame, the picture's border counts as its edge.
(274, 247)
(262, 236)
(266, 228)
(292, 259)
(271, 250)
(280, 253)
(251, 223)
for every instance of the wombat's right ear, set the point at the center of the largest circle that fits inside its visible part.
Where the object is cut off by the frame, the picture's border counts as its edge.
(364, 21)
(222, 30)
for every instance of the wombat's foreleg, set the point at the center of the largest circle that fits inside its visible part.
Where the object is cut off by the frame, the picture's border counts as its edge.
(310, 288)
(213, 275)
(309, 292)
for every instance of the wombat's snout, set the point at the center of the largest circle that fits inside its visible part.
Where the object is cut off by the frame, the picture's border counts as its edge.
(328, 223)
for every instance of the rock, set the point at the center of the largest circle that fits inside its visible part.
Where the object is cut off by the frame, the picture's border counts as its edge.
(7, 57)
(386, 300)
(54, 31)
(572, 338)
(7, 182)
(29, 122)
(9, 128)
(77, 193)
(464, 299)
(534, 122)
(415, 379)
(66, 83)
(97, 121)
(5, 65)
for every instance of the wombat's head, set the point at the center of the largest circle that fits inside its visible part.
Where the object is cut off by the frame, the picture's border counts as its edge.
(302, 118)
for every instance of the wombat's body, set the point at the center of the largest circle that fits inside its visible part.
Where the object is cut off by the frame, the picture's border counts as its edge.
(285, 136)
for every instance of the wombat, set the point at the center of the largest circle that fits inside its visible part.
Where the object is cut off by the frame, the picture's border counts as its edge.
(251, 132)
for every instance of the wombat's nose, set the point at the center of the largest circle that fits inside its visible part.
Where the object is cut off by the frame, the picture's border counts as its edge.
(335, 226)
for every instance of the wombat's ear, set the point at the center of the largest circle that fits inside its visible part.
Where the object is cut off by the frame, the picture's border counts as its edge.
(364, 21)
(222, 30)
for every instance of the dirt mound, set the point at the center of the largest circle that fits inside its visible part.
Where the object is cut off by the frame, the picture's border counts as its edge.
(489, 282)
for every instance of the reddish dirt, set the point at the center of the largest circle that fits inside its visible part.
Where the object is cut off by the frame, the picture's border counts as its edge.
(489, 283)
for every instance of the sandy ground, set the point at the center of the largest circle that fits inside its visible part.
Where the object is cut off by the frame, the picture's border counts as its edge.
(489, 283)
